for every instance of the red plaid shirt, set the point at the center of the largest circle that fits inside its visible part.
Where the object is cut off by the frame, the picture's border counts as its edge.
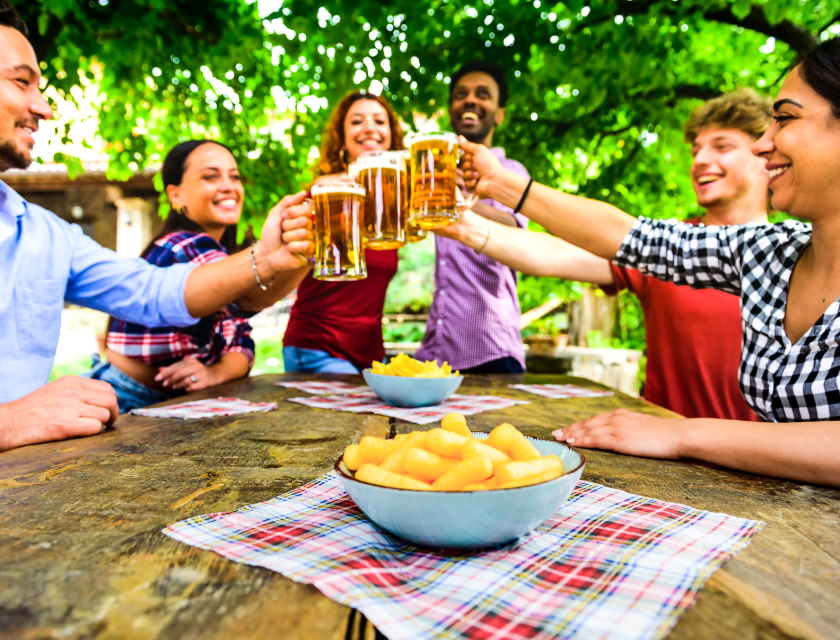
(226, 331)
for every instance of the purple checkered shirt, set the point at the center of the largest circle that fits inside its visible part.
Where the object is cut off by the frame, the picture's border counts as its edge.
(475, 313)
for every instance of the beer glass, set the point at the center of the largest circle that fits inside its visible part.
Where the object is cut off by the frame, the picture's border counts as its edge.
(413, 233)
(384, 177)
(339, 253)
(434, 163)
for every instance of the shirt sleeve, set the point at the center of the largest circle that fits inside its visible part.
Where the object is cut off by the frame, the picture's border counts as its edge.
(700, 257)
(128, 288)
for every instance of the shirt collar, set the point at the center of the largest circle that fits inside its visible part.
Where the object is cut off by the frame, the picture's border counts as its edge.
(12, 207)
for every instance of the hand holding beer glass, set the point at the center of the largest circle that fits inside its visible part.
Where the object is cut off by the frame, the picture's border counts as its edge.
(383, 174)
(434, 166)
(339, 210)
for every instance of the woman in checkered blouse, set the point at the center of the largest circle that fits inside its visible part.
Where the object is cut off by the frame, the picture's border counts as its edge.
(787, 276)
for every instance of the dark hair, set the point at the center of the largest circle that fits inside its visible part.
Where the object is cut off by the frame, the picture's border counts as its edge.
(10, 18)
(174, 166)
(492, 70)
(820, 68)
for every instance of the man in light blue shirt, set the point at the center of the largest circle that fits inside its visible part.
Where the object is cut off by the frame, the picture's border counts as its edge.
(46, 262)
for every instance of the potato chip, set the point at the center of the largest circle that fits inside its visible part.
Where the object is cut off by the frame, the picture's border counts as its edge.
(407, 367)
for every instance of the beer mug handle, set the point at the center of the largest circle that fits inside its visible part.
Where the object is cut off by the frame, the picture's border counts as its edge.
(471, 197)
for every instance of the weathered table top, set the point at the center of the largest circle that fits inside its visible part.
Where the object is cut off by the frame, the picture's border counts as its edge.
(82, 556)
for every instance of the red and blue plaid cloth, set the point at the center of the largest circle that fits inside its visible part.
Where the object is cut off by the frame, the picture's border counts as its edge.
(369, 402)
(606, 564)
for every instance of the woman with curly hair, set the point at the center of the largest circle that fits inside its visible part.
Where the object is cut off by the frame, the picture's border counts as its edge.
(336, 327)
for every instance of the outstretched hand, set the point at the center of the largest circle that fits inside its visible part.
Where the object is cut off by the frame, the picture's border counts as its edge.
(65, 408)
(287, 233)
(636, 434)
(480, 166)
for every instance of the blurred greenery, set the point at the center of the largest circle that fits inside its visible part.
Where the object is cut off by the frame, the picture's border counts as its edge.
(403, 331)
(599, 91)
(411, 289)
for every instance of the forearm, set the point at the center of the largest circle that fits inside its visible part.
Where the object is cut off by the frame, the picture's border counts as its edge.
(492, 213)
(533, 253)
(595, 226)
(231, 366)
(284, 283)
(803, 451)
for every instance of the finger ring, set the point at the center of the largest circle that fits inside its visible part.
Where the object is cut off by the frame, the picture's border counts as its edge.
(194, 378)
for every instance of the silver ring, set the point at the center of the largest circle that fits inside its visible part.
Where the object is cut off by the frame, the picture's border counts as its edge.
(194, 378)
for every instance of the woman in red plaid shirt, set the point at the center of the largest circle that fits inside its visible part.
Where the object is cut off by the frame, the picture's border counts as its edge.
(147, 365)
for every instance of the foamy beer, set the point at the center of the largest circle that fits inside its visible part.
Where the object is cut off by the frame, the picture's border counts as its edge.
(339, 252)
(412, 233)
(434, 164)
(383, 175)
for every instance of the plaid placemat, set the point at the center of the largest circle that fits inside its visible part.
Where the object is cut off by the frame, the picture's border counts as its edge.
(606, 564)
(206, 408)
(323, 387)
(560, 391)
(369, 403)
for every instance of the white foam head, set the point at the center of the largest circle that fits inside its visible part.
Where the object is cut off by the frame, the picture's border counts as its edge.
(381, 160)
(338, 187)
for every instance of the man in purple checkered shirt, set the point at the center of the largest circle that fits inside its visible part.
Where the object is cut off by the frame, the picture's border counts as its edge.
(474, 320)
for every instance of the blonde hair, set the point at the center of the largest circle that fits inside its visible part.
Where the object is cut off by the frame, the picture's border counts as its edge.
(742, 109)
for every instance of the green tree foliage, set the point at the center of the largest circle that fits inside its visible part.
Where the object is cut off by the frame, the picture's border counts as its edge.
(599, 90)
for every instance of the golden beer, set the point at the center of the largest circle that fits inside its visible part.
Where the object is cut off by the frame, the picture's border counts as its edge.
(413, 233)
(434, 163)
(384, 177)
(339, 252)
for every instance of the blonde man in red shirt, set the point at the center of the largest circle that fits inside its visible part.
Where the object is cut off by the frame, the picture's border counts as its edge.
(693, 336)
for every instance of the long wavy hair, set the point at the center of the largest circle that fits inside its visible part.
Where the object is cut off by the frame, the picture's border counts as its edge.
(332, 141)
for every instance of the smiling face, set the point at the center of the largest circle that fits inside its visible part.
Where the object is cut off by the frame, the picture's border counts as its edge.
(800, 150)
(366, 128)
(474, 109)
(22, 106)
(725, 172)
(211, 190)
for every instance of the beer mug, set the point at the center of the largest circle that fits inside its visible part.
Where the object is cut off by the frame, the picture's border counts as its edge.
(434, 165)
(413, 233)
(339, 252)
(383, 175)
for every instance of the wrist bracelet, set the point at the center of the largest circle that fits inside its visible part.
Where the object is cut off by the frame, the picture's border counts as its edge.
(524, 195)
(487, 239)
(257, 273)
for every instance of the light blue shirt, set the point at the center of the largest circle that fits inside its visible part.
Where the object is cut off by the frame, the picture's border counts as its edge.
(45, 262)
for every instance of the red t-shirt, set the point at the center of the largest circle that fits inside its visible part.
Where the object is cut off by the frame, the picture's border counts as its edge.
(344, 318)
(693, 346)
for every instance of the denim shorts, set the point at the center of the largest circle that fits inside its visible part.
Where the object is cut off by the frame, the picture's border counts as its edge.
(130, 393)
(312, 361)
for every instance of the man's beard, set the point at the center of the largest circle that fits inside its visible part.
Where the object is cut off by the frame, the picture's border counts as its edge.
(13, 158)
(479, 135)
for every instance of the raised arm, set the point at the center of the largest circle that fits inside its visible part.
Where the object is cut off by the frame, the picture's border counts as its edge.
(532, 253)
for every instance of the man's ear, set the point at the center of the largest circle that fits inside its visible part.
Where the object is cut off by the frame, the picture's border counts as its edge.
(500, 116)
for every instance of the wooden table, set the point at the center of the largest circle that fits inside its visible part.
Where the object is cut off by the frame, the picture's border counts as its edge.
(82, 556)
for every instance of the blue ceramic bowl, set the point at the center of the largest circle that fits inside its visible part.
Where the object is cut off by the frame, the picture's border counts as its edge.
(467, 519)
(412, 392)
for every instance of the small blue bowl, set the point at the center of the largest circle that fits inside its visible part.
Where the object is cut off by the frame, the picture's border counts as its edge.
(467, 519)
(412, 392)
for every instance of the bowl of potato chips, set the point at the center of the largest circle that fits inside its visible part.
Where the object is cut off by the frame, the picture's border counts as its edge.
(406, 382)
(450, 488)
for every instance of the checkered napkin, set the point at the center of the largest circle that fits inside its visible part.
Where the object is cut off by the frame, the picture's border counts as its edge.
(206, 408)
(560, 391)
(323, 387)
(369, 403)
(606, 564)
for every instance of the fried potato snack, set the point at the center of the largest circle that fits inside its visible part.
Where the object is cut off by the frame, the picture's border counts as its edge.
(456, 423)
(450, 459)
(408, 367)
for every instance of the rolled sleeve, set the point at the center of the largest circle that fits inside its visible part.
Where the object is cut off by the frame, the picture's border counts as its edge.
(128, 288)
(700, 257)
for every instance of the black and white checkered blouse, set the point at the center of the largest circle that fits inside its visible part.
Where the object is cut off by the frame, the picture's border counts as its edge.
(782, 382)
